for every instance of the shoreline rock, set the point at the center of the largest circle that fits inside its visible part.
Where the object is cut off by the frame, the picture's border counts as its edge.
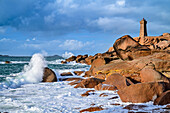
(138, 69)
(49, 75)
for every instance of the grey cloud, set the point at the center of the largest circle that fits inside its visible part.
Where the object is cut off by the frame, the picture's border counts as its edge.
(66, 16)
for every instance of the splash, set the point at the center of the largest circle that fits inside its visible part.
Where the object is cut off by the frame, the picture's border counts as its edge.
(32, 73)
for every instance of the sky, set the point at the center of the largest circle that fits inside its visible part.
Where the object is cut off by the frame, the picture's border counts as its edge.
(57, 27)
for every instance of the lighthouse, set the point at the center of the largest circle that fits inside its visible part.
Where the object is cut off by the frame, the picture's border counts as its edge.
(143, 30)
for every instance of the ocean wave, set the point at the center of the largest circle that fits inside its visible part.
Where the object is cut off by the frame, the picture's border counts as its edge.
(58, 61)
(32, 73)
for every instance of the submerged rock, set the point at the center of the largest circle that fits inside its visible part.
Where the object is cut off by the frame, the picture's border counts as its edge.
(75, 81)
(87, 93)
(7, 62)
(66, 74)
(134, 107)
(92, 109)
(63, 62)
(78, 72)
(49, 75)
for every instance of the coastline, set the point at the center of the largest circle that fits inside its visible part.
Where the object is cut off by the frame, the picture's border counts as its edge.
(138, 72)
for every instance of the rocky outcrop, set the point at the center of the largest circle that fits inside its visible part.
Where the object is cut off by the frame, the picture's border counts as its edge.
(49, 75)
(131, 69)
(139, 72)
(156, 42)
(85, 59)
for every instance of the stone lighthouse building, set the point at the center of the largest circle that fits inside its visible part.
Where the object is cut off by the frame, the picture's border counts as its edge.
(143, 30)
(151, 41)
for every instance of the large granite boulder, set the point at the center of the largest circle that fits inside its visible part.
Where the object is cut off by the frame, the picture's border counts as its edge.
(99, 62)
(142, 92)
(49, 75)
(117, 80)
(89, 83)
(128, 49)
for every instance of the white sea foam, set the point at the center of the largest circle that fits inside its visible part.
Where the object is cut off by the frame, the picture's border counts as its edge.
(32, 73)
(74, 63)
(19, 62)
(15, 62)
(56, 97)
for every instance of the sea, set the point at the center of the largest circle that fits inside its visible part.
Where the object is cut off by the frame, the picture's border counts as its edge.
(21, 89)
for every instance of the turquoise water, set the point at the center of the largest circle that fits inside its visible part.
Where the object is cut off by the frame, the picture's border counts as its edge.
(17, 65)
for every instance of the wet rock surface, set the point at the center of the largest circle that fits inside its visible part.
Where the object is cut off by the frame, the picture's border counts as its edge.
(49, 75)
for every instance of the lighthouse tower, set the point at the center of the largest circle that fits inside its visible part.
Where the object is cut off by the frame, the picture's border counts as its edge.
(143, 31)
